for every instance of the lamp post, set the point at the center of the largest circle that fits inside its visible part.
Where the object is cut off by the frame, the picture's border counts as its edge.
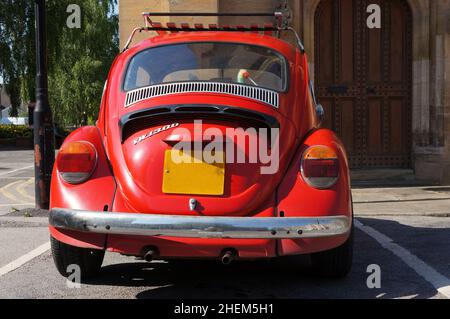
(44, 138)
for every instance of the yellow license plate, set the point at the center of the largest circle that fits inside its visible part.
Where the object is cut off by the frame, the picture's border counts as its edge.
(191, 176)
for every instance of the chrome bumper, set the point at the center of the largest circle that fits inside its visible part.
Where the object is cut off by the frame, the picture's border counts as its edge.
(198, 226)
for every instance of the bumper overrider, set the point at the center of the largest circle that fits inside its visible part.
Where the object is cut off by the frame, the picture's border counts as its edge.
(199, 226)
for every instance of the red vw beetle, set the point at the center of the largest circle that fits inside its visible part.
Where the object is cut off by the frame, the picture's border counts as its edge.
(207, 145)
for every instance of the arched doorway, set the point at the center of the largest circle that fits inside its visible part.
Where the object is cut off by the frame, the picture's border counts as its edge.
(363, 79)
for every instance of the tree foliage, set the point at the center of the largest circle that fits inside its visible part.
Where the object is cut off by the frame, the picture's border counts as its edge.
(78, 60)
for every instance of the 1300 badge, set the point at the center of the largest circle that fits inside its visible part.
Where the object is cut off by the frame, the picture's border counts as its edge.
(154, 132)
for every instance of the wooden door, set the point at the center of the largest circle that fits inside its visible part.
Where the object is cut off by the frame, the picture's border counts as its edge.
(363, 79)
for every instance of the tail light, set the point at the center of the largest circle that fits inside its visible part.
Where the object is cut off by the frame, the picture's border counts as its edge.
(320, 166)
(76, 161)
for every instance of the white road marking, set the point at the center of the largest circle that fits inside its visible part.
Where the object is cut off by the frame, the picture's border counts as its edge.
(437, 280)
(16, 170)
(24, 259)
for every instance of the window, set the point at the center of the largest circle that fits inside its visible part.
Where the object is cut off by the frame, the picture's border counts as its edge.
(216, 62)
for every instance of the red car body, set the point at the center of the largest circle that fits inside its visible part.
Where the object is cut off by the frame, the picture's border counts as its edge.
(127, 176)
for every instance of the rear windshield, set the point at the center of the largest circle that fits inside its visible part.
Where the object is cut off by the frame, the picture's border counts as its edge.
(217, 62)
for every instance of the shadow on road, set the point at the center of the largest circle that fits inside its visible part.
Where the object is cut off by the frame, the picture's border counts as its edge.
(431, 244)
(281, 278)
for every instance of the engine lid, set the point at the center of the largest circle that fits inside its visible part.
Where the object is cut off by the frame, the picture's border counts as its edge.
(157, 182)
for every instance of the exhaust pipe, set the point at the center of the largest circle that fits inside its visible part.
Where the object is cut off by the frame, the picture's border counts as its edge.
(149, 255)
(227, 257)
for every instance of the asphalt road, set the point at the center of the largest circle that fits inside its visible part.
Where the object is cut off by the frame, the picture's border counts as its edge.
(16, 180)
(405, 231)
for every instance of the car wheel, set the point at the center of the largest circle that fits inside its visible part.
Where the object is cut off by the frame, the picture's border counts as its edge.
(89, 260)
(335, 263)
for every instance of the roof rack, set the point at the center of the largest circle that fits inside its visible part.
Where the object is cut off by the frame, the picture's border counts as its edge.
(281, 18)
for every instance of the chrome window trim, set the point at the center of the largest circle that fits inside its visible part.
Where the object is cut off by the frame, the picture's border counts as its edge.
(259, 94)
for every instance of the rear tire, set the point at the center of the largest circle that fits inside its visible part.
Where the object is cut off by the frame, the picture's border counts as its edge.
(334, 263)
(89, 260)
